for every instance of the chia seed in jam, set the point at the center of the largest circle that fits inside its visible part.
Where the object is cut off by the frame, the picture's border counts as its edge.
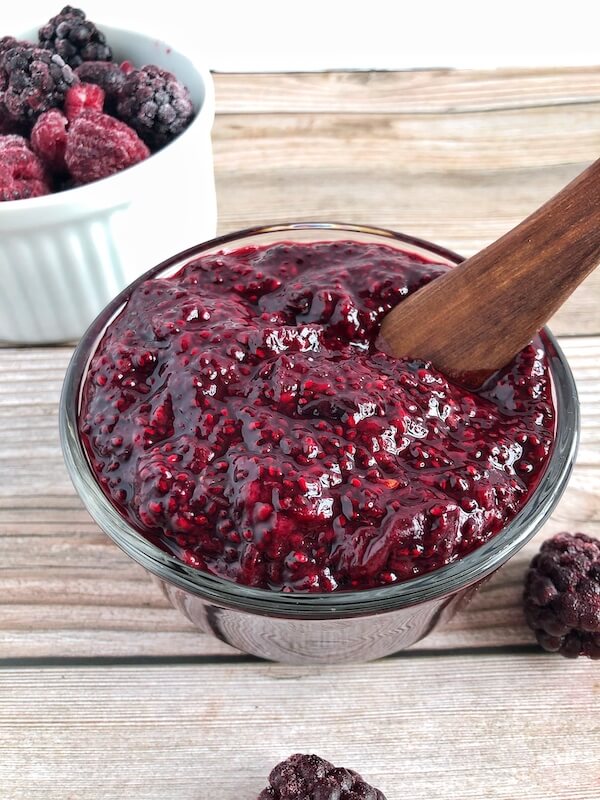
(240, 417)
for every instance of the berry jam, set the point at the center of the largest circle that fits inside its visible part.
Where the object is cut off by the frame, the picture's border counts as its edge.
(239, 415)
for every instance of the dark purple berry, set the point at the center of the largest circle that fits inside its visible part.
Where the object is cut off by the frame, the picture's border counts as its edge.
(9, 43)
(75, 38)
(155, 104)
(106, 74)
(36, 80)
(308, 777)
(562, 595)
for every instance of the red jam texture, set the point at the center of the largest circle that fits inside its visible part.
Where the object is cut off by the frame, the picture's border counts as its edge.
(239, 415)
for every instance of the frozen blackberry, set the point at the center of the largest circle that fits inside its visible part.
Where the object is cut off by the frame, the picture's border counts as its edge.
(308, 777)
(155, 104)
(8, 43)
(107, 75)
(75, 38)
(36, 80)
(562, 595)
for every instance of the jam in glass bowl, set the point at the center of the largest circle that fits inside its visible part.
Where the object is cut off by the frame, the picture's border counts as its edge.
(298, 494)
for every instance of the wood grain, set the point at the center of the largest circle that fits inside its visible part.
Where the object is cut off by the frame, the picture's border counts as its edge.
(506, 139)
(443, 727)
(66, 590)
(443, 91)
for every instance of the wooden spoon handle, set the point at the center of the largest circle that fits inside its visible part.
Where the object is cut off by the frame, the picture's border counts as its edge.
(473, 320)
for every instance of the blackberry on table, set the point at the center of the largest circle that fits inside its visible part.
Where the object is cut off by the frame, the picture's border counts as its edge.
(75, 38)
(36, 80)
(155, 104)
(309, 777)
(562, 595)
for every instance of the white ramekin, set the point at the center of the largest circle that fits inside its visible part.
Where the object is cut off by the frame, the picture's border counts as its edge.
(65, 255)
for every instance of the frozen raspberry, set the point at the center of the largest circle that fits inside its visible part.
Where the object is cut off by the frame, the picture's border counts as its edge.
(155, 104)
(36, 80)
(49, 139)
(562, 595)
(99, 145)
(308, 777)
(106, 74)
(83, 97)
(75, 38)
(126, 67)
(22, 174)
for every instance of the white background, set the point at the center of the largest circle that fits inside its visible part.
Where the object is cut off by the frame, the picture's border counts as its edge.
(253, 35)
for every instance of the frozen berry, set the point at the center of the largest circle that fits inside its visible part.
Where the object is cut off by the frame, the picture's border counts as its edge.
(106, 74)
(99, 145)
(75, 38)
(155, 104)
(22, 174)
(562, 595)
(126, 67)
(83, 97)
(36, 80)
(7, 123)
(49, 139)
(308, 777)
(9, 43)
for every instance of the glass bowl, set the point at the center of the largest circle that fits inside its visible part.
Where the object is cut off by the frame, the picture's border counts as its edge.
(317, 628)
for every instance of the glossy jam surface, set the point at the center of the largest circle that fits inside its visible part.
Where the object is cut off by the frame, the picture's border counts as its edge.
(239, 416)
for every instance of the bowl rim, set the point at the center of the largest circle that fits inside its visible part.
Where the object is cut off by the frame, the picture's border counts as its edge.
(445, 581)
(96, 194)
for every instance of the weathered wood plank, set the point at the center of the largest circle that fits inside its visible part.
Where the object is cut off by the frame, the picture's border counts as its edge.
(421, 91)
(66, 590)
(506, 139)
(444, 727)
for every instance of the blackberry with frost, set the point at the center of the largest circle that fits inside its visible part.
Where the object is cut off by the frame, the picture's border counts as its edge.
(109, 76)
(155, 104)
(7, 124)
(75, 38)
(308, 777)
(35, 81)
(562, 595)
(9, 43)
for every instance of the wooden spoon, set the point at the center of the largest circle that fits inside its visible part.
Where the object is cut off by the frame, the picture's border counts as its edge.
(475, 318)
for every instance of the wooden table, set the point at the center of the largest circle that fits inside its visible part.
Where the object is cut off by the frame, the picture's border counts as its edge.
(107, 692)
